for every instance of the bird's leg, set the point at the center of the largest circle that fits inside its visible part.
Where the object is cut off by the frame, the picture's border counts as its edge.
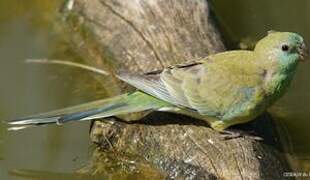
(232, 134)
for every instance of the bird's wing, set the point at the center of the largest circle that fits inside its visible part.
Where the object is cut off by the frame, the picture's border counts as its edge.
(212, 86)
(161, 85)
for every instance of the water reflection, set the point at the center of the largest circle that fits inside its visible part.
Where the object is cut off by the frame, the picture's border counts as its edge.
(47, 175)
(27, 31)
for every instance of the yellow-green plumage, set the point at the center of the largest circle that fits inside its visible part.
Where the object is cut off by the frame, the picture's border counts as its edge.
(223, 89)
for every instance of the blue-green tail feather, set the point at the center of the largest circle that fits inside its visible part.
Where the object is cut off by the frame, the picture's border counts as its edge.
(122, 104)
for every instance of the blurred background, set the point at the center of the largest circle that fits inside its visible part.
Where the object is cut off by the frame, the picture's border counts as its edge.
(27, 30)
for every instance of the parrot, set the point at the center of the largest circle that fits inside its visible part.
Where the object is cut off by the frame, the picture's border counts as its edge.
(223, 89)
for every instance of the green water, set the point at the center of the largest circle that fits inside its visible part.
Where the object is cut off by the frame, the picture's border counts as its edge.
(26, 32)
(54, 152)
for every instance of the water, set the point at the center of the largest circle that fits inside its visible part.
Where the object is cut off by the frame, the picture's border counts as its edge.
(54, 152)
(26, 31)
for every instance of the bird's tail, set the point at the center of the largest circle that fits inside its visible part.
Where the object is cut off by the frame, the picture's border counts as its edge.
(122, 104)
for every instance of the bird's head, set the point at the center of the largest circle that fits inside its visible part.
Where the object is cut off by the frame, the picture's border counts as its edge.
(285, 49)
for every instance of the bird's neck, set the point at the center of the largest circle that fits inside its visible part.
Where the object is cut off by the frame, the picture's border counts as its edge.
(278, 79)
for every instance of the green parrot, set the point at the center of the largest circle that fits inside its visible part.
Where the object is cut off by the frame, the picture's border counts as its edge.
(223, 89)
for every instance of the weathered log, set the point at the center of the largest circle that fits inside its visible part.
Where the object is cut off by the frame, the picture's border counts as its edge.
(146, 35)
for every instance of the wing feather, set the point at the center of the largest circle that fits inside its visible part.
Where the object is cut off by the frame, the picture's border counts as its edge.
(151, 84)
(212, 86)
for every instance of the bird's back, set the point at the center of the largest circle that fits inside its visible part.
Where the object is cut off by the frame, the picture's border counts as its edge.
(213, 86)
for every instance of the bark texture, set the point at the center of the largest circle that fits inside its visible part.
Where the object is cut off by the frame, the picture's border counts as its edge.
(147, 35)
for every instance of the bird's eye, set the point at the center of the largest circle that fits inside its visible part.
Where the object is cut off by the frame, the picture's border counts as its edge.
(285, 47)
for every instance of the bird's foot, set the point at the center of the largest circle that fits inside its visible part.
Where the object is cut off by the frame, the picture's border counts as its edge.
(232, 134)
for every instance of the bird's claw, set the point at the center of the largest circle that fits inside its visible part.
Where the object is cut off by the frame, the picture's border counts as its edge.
(232, 134)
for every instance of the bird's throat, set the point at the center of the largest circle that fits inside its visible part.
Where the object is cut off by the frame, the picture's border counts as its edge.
(277, 83)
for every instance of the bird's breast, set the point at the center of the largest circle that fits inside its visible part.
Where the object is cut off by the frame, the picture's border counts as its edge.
(276, 85)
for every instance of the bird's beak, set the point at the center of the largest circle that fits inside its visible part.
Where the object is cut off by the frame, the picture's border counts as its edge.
(303, 51)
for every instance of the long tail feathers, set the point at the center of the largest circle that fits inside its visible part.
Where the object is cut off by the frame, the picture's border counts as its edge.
(122, 104)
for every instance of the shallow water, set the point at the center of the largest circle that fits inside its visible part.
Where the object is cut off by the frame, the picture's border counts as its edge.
(54, 152)
(26, 32)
